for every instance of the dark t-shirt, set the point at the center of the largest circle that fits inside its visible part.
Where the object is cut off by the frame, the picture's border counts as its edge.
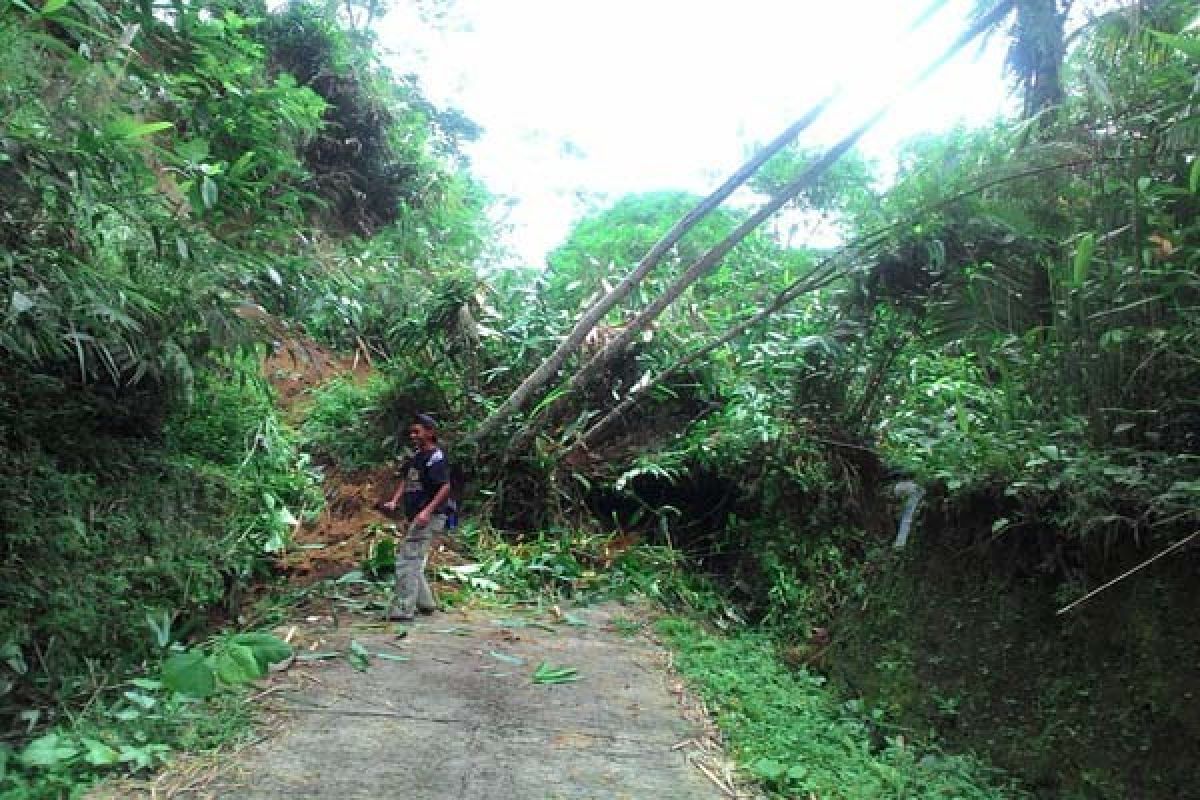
(424, 474)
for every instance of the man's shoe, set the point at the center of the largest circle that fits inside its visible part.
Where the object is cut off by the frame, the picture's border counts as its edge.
(426, 611)
(396, 616)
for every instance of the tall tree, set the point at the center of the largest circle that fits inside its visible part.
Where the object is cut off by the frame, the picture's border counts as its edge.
(1037, 47)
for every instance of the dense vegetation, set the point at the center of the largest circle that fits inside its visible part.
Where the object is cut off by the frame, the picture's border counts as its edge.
(1011, 324)
(182, 185)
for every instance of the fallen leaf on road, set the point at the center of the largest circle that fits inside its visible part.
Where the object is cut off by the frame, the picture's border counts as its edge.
(358, 656)
(455, 631)
(546, 673)
(506, 658)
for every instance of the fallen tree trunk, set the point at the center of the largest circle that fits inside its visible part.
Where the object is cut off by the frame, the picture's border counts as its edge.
(818, 278)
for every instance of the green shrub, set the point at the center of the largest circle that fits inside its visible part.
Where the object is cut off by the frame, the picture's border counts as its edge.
(104, 524)
(791, 733)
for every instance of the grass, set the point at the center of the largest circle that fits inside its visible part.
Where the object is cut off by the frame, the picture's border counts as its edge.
(794, 735)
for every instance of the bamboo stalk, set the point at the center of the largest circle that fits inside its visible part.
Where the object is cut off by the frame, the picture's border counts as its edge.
(1127, 573)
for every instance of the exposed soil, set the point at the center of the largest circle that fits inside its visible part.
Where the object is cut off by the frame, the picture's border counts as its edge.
(351, 524)
(298, 365)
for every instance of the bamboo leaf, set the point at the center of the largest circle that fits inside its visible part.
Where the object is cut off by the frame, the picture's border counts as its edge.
(208, 192)
(506, 658)
(51, 6)
(1083, 259)
(358, 656)
(549, 674)
(1188, 45)
(20, 303)
(130, 128)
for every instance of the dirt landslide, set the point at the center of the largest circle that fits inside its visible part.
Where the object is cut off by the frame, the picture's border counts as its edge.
(350, 526)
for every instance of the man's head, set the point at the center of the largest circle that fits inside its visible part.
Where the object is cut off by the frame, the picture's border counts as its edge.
(422, 431)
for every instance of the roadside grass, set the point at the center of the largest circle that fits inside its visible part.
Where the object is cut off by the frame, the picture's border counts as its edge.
(795, 736)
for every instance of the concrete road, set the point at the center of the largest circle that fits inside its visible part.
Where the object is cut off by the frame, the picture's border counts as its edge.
(461, 717)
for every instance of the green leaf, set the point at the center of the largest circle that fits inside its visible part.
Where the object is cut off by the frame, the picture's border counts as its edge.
(1188, 45)
(797, 772)
(51, 6)
(20, 303)
(506, 658)
(1083, 259)
(208, 192)
(242, 164)
(98, 754)
(358, 656)
(189, 673)
(768, 768)
(1194, 178)
(193, 151)
(130, 128)
(236, 664)
(143, 700)
(11, 656)
(47, 751)
(143, 757)
(267, 649)
(546, 673)
(453, 631)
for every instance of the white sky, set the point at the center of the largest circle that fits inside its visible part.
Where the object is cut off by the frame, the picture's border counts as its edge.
(667, 94)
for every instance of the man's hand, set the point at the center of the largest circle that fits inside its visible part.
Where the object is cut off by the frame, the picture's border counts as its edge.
(390, 505)
(422, 519)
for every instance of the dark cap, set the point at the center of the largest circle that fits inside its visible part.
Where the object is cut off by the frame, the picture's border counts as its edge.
(425, 420)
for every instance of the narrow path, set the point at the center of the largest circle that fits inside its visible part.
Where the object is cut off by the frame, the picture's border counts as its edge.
(462, 718)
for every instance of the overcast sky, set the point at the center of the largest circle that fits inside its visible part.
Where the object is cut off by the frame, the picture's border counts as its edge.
(580, 98)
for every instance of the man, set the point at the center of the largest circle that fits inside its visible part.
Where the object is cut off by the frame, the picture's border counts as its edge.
(425, 487)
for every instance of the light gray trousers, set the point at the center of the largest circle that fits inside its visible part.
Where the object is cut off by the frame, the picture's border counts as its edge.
(412, 591)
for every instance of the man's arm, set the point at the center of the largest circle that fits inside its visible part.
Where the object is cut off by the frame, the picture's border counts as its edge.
(438, 498)
(390, 505)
